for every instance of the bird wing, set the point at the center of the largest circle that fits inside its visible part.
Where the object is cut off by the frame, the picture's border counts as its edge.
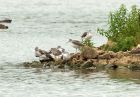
(84, 34)
(55, 51)
(49, 56)
(76, 42)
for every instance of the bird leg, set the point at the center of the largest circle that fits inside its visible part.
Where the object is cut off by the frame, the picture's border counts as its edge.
(76, 50)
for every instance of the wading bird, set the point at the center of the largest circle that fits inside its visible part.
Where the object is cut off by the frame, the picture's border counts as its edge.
(43, 55)
(76, 44)
(86, 36)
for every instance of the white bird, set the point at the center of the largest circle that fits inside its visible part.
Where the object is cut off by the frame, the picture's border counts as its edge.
(86, 36)
(60, 48)
(39, 52)
(65, 55)
(42, 58)
(76, 44)
(55, 53)
(43, 55)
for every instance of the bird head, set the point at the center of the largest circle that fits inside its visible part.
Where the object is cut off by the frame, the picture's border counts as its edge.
(89, 31)
(58, 47)
(69, 40)
(63, 50)
(36, 48)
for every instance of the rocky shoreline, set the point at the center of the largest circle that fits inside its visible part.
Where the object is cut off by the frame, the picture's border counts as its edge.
(92, 59)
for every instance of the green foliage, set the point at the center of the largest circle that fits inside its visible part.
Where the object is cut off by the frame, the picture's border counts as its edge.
(124, 44)
(124, 28)
(88, 43)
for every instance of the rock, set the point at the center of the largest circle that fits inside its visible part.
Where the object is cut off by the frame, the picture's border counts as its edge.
(126, 53)
(89, 53)
(3, 26)
(76, 56)
(100, 52)
(120, 54)
(105, 56)
(134, 67)
(111, 66)
(75, 63)
(87, 64)
(135, 51)
(108, 46)
(6, 21)
(112, 54)
(34, 64)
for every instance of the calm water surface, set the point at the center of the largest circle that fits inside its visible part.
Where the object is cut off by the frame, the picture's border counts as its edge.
(48, 23)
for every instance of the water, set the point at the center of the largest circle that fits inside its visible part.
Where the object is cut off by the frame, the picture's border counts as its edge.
(46, 24)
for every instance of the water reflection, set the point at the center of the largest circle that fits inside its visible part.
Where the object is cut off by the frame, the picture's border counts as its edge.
(120, 74)
(125, 74)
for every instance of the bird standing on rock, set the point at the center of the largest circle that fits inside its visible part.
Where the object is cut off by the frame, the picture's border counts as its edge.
(55, 53)
(39, 52)
(60, 48)
(65, 55)
(86, 36)
(43, 55)
(76, 44)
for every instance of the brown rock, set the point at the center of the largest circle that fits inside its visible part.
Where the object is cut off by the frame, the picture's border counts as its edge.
(100, 52)
(104, 56)
(89, 53)
(76, 56)
(112, 54)
(120, 54)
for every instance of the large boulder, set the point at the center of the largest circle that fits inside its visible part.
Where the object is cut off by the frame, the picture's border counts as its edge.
(89, 53)
(3, 26)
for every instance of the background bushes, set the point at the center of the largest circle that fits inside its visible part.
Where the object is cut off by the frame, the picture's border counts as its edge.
(123, 28)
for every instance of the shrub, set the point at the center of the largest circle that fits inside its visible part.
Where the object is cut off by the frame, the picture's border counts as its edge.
(88, 43)
(124, 28)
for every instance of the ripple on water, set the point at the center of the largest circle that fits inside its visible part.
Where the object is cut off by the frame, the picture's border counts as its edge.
(46, 83)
